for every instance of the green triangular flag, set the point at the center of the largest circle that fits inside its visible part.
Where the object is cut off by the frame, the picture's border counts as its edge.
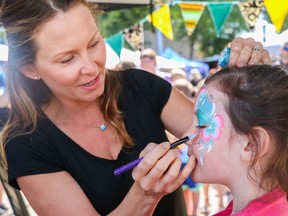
(219, 13)
(191, 13)
(116, 42)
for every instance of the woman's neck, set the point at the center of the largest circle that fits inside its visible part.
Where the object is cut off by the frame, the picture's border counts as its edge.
(74, 112)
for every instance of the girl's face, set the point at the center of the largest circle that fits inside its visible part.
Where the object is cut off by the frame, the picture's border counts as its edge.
(216, 146)
(71, 56)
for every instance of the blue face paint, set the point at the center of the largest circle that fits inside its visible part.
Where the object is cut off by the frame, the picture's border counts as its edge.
(205, 109)
(205, 112)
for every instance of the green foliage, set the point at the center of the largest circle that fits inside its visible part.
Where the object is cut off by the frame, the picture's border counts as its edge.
(2, 36)
(205, 37)
(203, 40)
(113, 22)
(177, 22)
(285, 25)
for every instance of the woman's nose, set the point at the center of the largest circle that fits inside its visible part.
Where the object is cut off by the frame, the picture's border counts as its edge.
(89, 67)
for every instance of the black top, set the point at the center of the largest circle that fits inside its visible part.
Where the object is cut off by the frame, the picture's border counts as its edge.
(48, 149)
(4, 114)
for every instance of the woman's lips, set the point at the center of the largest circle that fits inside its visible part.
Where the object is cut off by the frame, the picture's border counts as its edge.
(89, 83)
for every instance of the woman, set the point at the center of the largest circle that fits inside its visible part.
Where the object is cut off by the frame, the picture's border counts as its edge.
(73, 122)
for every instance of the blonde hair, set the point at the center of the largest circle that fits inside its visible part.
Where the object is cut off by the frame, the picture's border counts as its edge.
(21, 21)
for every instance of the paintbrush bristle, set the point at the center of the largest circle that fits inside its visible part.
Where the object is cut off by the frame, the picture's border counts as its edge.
(191, 136)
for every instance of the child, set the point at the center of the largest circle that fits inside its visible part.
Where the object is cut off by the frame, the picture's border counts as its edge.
(242, 139)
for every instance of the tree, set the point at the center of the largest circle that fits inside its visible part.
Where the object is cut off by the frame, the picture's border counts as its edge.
(113, 22)
(203, 41)
(2, 36)
(205, 36)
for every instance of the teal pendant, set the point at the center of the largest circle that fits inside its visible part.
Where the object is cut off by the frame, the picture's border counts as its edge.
(103, 127)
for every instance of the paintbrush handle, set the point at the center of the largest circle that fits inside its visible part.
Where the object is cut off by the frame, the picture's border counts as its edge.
(127, 166)
(134, 163)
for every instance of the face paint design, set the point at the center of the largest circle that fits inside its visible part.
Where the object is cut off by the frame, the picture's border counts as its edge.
(205, 111)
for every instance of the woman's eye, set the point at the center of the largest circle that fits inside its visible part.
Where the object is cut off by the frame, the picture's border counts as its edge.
(94, 44)
(66, 60)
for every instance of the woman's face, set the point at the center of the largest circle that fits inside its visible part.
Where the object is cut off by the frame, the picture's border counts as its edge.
(216, 146)
(71, 56)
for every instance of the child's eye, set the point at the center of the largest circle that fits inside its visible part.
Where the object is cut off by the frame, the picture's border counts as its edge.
(201, 126)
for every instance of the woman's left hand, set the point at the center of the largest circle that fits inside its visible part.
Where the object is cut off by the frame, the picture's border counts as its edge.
(248, 52)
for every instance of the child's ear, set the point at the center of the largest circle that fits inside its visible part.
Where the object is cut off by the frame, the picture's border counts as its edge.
(29, 72)
(260, 142)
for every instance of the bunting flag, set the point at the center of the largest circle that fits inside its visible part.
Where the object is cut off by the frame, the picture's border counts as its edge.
(134, 36)
(250, 10)
(219, 13)
(191, 14)
(162, 21)
(116, 42)
(277, 10)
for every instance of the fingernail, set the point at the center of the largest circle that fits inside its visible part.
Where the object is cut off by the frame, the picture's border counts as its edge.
(166, 145)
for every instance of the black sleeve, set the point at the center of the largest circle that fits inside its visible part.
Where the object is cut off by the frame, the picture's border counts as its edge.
(155, 89)
(29, 155)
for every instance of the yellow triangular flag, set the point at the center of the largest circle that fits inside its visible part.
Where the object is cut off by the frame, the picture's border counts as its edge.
(277, 10)
(162, 21)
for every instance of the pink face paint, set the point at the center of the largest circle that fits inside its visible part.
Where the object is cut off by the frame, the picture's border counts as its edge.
(205, 111)
(214, 130)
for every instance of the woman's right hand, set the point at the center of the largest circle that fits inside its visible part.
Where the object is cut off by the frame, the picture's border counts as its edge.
(156, 175)
(159, 171)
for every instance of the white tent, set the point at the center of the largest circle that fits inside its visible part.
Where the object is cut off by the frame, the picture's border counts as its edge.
(134, 56)
(3, 52)
(266, 33)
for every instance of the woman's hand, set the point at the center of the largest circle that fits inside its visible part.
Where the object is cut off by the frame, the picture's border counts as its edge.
(159, 172)
(248, 52)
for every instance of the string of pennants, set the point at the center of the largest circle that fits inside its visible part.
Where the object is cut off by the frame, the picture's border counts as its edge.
(192, 12)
